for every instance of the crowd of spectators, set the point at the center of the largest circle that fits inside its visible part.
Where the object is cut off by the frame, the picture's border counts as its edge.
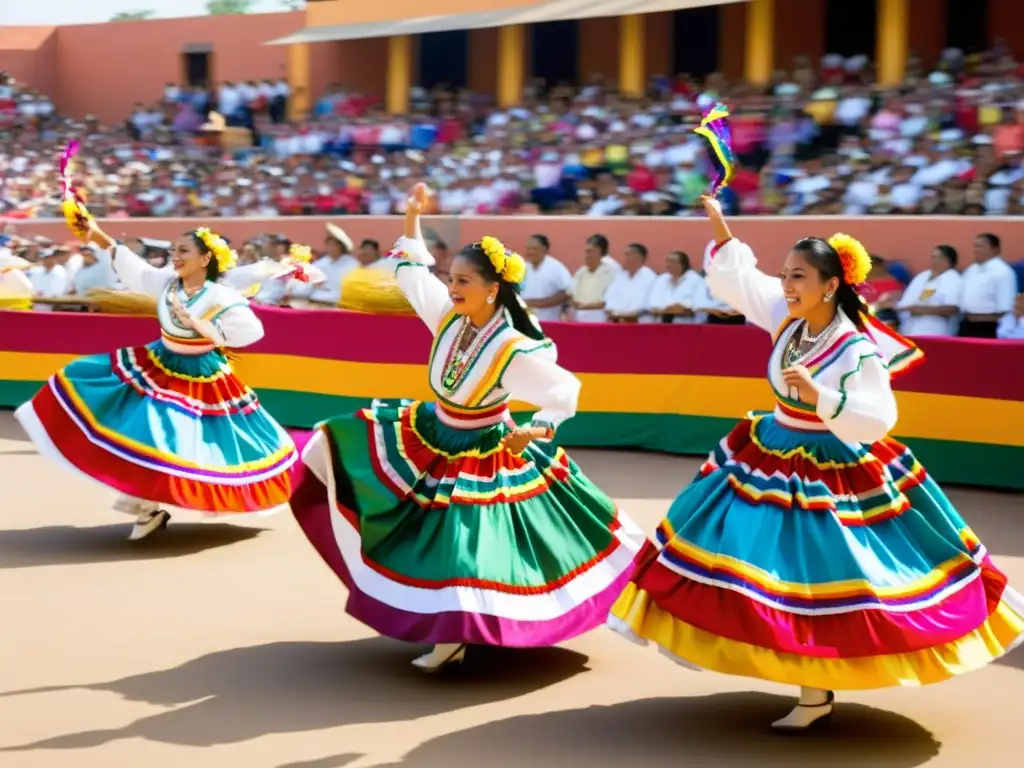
(976, 295)
(821, 139)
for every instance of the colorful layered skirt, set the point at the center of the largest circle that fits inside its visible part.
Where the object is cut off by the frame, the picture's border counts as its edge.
(443, 536)
(179, 430)
(797, 558)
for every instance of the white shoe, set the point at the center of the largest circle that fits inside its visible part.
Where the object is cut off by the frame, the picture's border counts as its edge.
(149, 523)
(806, 716)
(440, 656)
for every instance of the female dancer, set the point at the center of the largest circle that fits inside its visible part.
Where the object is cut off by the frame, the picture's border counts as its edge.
(812, 549)
(169, 424)
(447, 522)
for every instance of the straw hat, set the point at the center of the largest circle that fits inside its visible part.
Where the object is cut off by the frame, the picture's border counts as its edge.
(340, 235)
(217, 123)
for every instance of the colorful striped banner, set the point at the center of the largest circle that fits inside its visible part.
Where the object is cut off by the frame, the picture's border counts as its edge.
(666, 388)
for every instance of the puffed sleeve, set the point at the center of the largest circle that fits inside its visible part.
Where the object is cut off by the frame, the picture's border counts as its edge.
(138, 276)
(425, 292)
(863, 409)
(235, 326)
(733, 277)
(535, 378)
(249, 276)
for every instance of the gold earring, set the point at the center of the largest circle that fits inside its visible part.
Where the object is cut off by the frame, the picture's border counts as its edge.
(828, 297)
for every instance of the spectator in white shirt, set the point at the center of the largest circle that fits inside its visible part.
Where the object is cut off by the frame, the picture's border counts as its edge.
(547, 283)
(229, 99)
(675, 291)
(1011, 327)
(49, 280)
(989, 290)
(274, 292)
(96, 272)
(335, 265)
(368, 255)
(629, 294)
(591, 282)
(931, 304)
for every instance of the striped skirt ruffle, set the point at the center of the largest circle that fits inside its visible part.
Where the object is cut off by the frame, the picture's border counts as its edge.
(443, 536)
(179, 430)
(797, 558)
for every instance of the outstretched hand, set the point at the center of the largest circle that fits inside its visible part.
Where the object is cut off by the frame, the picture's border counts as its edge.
(517, 440)
(712, 207)
(419, 198)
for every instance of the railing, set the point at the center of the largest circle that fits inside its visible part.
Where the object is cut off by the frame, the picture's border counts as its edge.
(671, 388)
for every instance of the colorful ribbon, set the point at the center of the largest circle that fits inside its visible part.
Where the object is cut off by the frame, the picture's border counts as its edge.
(715, 131)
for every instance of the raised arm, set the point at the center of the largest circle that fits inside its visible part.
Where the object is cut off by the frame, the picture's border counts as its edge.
(138, 276)
(733, 276)
(425, 292)
(130, 268)
(863, 409)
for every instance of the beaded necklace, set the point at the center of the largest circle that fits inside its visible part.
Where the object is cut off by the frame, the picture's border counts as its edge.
(468, 344)
(802, 345)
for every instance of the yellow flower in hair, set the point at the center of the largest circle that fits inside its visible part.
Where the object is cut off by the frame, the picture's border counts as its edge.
(508, 264)
(853, 256)
(301, 253)
(515, 268)
(226, 258)
(495, 251)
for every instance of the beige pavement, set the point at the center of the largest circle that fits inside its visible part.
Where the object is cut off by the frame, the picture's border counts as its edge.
(223, 646)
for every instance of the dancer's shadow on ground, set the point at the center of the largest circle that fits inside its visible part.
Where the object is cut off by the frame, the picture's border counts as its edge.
(10, 429)
(725, 729)
(234, 696)
(334, 761)
(70, 545)
(994, 516)
(1014, 658)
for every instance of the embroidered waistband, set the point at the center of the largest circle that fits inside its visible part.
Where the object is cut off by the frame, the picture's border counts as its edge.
(186, 346)
(458, 419)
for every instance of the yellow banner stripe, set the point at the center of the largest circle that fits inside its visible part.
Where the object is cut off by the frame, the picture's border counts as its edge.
(930, 416)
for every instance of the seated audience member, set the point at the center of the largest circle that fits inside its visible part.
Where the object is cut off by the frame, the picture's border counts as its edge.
(989, 290)
(49, 280)
(628, 296)
(547, 283)
(673, 293)
(591, 282)
(931, 304)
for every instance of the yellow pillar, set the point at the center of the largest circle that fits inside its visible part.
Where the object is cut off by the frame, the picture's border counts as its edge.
(399, 74)
(511, 64)
(632, 53)
(892, 40)
(298, 80)
(760, 49)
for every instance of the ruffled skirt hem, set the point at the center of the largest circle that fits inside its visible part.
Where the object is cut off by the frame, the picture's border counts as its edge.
(639, 619)
(458, 610)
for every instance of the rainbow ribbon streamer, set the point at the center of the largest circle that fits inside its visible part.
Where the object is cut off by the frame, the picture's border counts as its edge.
(714, 129)
(67, 189)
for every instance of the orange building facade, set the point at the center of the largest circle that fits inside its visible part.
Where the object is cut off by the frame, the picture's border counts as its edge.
(104, 69)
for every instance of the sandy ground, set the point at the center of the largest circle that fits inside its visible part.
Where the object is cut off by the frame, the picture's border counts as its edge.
(216, 645)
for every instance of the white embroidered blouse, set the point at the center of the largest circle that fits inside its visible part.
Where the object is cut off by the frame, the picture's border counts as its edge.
(503, 364)
(226, 314)
(851, 370)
